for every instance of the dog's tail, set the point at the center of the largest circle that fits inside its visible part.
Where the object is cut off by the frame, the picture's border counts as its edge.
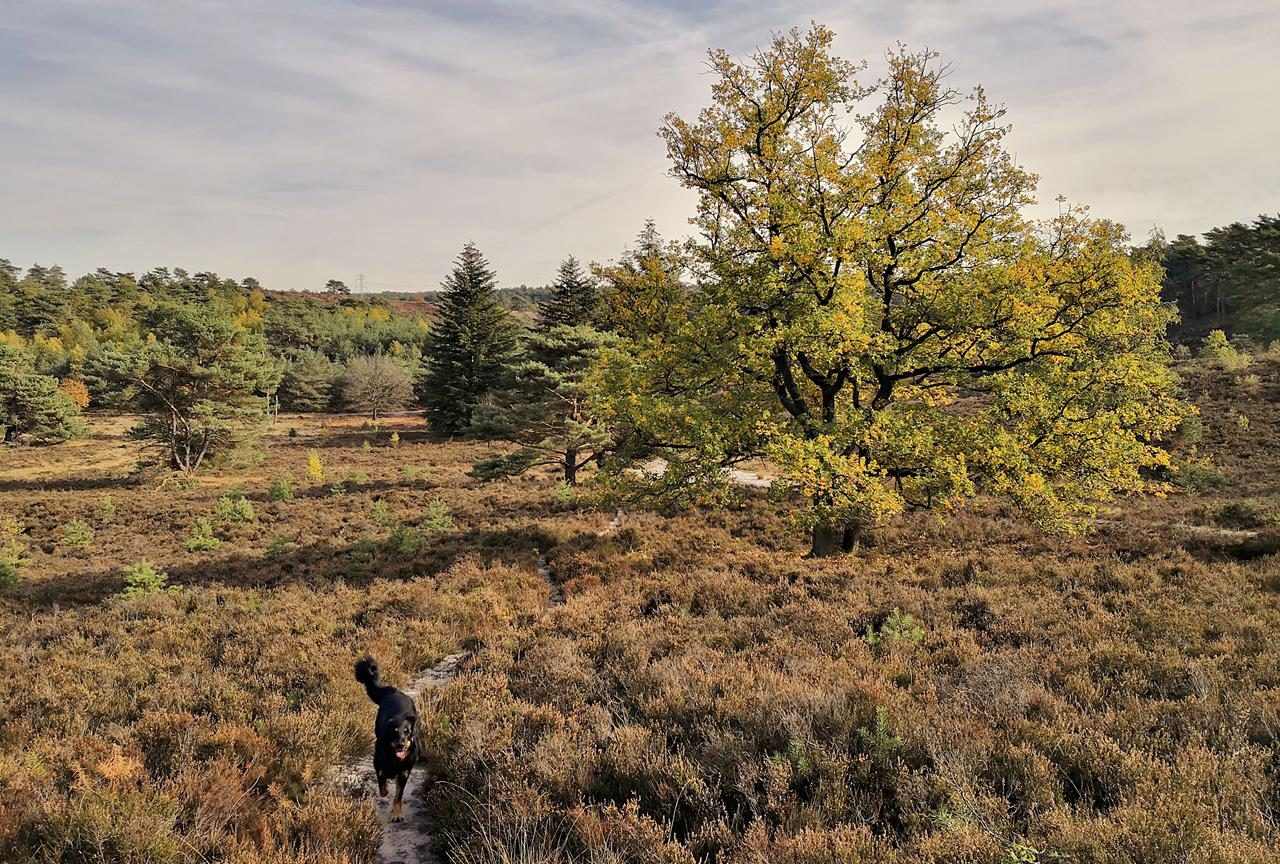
(367, 674)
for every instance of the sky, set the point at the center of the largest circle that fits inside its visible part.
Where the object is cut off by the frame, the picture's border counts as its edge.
(297, 141)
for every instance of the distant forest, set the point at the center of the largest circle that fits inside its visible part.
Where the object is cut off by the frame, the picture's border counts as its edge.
(1230, 280)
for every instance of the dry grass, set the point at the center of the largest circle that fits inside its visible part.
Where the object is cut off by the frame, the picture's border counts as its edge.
(197, 724)
(704, 695)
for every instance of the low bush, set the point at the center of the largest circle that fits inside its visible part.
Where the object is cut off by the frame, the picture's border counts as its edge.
(1219, 350)
(403, 541)
(315, 468)
(281, 544)
(281, 489)
(202, 537)
(142, 579)
(360, 557)
(77, 535)
(437, 517)
(105, 510)
(381, 515)
(1196, 477)
(233, 507)
(899, 628)
(1247, 514)
(13, 551)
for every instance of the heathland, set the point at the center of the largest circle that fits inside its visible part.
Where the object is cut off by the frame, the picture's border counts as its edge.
(1010, 596)
(967, 690)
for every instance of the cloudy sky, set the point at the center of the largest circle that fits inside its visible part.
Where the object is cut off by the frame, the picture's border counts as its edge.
(301, 140)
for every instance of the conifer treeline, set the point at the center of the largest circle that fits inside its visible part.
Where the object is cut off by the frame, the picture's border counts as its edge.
(234, 352)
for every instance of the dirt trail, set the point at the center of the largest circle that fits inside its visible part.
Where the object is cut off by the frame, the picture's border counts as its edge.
(409, 841)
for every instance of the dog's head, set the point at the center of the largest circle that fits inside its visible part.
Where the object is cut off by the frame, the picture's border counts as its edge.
(400, 736)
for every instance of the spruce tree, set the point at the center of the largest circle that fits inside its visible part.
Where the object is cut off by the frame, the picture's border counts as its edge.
(542, 408)
(574, 300)
(470, 346)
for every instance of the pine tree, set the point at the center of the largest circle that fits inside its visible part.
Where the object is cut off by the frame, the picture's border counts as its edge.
(200, 384)
(31, 405)
(470, 346)
(308, 382)
(42, 300)
(574, 299)
(8, 296)
(543, 406)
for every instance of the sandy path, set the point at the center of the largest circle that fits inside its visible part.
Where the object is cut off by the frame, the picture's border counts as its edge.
(409, 841)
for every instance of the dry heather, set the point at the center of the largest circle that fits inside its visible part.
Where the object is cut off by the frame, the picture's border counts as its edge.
(195, 724)
(962, 692)
(969, 692)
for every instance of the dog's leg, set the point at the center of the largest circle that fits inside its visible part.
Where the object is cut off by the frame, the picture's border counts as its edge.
(397, 809)
(382, 786)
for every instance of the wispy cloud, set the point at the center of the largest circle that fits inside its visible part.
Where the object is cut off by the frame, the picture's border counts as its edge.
(303, 139)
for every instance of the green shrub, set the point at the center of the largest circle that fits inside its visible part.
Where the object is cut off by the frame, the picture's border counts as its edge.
(381, 514)
(878, 739)
(1217, 349)
(1190, 431)
(142, 579)
(13, 552)
(564, 493)
(403, 541)
(365, 446)
(281, 544)
(338, 489)
(898, 629)
(437, 518)
(77, 535)
(233, 507)
(1196, 478)
(202, 539)
(357, 478)
(414, 475)
(105, 511)
(360, 556)
(282, 489)
(1246, 515)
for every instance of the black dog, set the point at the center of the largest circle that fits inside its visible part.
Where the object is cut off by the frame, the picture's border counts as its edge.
(395, 750)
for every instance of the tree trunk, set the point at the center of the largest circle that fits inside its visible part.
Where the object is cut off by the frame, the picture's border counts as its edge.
(571, 467)
(831, 540)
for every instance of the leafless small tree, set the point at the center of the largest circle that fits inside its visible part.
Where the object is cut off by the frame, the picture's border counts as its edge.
(376, 384)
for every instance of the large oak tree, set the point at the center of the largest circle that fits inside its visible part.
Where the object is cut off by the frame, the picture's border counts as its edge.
(872, 311)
